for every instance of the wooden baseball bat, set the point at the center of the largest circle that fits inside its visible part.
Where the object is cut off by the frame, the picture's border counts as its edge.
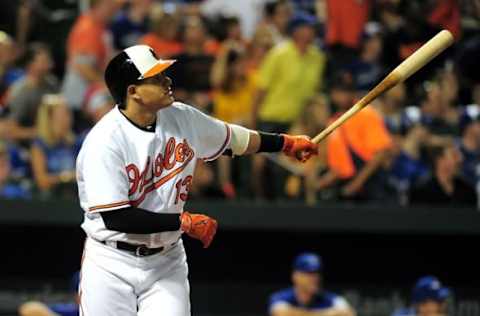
(409, 66)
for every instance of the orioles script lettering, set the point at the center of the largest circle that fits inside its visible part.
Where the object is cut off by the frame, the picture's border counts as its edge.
(156, 171)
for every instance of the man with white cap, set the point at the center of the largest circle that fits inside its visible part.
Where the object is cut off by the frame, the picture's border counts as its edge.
(134, 172)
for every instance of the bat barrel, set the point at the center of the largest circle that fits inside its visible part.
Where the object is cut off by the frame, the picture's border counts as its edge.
(409, 66)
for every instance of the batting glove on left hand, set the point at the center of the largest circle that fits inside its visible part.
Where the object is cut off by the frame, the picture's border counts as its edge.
(299, 147)
(199, 226)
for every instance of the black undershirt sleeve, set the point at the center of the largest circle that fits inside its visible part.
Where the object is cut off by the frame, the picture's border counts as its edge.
(269, 143)
(134, 220)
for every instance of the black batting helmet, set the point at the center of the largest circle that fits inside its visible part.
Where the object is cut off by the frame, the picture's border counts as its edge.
(129, 67)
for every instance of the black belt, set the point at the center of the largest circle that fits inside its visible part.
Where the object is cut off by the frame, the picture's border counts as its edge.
(137, 250)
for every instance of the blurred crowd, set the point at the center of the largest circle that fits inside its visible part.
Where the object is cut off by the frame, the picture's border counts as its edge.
(274, 65)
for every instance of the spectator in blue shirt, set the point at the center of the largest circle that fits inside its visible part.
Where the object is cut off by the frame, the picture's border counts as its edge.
(429, 298)
(130, 24)
(367, 69)
(54, 151)
(307, 297)
(469, 144)
(9, 189)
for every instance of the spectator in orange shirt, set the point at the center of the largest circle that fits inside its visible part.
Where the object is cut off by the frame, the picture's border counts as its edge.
(88, 50)
(345, 23)
(163, 35)
(358, 150)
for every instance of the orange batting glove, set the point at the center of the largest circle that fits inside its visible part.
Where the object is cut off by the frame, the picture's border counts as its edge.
(299, 147)
(199, 226)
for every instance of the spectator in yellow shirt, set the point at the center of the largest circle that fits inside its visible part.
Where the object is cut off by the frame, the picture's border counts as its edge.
(233, 96)
(289, 76)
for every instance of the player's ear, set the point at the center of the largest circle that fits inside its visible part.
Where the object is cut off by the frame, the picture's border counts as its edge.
(132, 92)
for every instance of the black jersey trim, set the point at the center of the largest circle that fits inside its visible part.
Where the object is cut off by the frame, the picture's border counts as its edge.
(150, 128)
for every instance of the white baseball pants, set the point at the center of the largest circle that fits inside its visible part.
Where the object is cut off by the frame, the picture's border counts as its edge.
(116, 283)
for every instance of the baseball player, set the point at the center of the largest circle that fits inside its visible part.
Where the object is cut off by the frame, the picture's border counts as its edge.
(429, 298)
(307, 297)
(134, 172)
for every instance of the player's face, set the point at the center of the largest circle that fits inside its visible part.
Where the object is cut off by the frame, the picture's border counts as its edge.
(429, 308)
(156, 92)
(308, 283)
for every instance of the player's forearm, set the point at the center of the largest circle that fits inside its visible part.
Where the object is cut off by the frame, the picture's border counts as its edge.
(134, 220)
(245, 141)
(264, 142)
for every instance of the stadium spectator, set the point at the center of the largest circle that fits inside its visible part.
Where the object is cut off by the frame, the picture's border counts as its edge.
(229, 33)
(234, 87)
(88, 50)
(130, 24)
(289, 76)
(436, 113)
(469, 143)
(345, 23)
(367, 69)
(307, 296)
(98, 102)
(8, 72)
(358, 150)
(192, 82)
(445, 187)
(445, 14)
(54, 150)
(26, 94)
(9, 189)
(163, 33)
(249, 12)
(277, 14)
(407, 166)
(258, 47)
(393, 24)
(233, 97)
(429, 298)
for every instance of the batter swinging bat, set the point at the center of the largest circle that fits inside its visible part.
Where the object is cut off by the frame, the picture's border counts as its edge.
(409, 66)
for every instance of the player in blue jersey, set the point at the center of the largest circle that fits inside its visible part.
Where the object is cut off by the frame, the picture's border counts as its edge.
(307, 297)
(429, 298)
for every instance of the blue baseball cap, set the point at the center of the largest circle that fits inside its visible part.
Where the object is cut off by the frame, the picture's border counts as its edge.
(429, 288)
(301, 19)
(307, 262)
(469, 114)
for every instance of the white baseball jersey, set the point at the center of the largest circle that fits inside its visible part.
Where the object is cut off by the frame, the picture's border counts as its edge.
(122, 165)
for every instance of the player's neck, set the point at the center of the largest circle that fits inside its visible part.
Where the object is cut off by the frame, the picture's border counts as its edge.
(140, 116)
